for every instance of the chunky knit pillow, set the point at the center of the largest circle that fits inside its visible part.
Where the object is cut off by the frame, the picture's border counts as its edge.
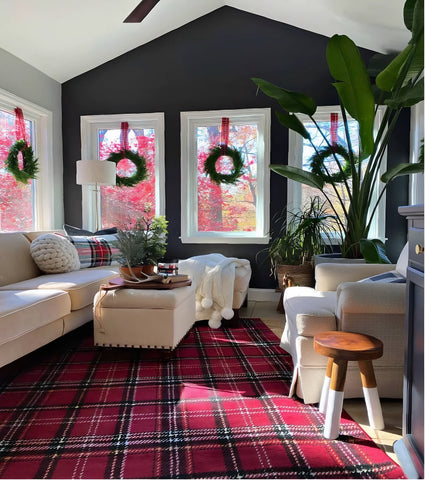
(54, 254)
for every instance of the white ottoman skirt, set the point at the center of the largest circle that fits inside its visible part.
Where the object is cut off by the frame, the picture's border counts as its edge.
(143, 318)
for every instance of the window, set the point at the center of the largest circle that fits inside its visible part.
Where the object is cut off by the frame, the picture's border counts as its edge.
(25, 207)
(300, 152)
(120, 206)
(225, 213)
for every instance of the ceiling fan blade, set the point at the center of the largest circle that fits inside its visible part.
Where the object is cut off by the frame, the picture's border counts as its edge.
(141, 11)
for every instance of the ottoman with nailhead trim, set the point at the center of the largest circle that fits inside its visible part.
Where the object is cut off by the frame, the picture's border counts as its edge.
(143, 318)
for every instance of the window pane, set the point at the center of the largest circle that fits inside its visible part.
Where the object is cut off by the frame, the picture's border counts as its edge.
(123, 205)
(16, 198)
(331, 165)
(227, 208)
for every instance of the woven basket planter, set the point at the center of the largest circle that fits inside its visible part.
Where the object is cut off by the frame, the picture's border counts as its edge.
(295, 275)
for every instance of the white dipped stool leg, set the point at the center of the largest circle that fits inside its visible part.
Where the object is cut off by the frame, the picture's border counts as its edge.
(333, 414)
(335, 399)
(325, 388)
(373, 406)
(370, 392)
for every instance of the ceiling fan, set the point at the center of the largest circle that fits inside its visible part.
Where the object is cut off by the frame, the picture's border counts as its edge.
(141, 11)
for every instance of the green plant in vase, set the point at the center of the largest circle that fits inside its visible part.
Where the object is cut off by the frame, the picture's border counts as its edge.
(399, 84)
(143, 244)
(302, 234)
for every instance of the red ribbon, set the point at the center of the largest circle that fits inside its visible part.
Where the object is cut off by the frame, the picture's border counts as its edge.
(224, 134)
(124, 136)
(334, 128)
(19, 124)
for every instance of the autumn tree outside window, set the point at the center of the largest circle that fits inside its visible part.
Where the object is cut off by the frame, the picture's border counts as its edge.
(301, 151)
(225, 213)
(121, 206)
(26, 207)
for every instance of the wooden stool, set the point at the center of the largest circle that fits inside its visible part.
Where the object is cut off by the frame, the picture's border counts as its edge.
(342, 347)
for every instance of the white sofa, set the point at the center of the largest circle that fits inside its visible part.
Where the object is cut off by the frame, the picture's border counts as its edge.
(36, 308)
(340, 302)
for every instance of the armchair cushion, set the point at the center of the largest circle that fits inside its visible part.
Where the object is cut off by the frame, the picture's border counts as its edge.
(311, 311)
(330, 275)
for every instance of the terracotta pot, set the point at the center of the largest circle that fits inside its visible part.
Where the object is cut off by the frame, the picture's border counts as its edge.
(137, 271)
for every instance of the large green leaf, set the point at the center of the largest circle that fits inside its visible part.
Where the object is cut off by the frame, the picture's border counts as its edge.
(407, 96)
(417, 21)
(373, 251)
(292, 122)
(389, 76)
(408, 11)
(298, 175)
(402, 169)
(291, 101)
(353, 86)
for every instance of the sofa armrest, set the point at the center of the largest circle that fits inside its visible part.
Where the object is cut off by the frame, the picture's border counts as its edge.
(329, 275)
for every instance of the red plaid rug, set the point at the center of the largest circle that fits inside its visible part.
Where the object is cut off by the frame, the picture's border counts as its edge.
(218, 409)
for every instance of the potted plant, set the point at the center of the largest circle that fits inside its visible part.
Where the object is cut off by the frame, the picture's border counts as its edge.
(142, 245)
(398, 84)
(301, 235)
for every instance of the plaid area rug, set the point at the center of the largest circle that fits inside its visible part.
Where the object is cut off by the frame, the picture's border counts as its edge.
(217, 409)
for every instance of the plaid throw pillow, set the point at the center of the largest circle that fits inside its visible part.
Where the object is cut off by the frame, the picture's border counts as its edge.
(387, 277)
(96, 251)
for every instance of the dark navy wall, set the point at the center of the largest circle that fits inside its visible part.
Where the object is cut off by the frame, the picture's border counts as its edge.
(207, 65)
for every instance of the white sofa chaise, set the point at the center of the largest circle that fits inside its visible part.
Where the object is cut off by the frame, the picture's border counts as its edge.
(340, 301)
(36, 308)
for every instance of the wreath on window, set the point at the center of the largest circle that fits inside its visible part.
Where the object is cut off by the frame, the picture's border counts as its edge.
(318, 168)
(30, 164)
(218, 178)
(139, 175)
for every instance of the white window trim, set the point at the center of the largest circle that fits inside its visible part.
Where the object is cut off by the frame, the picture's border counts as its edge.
(89, 151)
(416, 191)
(189, 212)
(295, 141)
(43, 149)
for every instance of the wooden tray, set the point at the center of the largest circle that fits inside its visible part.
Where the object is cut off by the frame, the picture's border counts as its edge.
(120, 282)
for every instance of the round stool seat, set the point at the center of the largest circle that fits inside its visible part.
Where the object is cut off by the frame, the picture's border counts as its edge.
(348, 345)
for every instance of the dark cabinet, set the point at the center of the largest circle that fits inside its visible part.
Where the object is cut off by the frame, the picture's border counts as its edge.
(410, 449)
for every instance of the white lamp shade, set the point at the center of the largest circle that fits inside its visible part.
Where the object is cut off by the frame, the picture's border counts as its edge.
(96, 172)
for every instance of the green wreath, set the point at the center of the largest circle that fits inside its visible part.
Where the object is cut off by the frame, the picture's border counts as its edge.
(214, 155)
(30, 165)
(139, 175)
(318, 159)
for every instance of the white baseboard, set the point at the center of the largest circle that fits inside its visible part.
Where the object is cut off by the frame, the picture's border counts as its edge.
(263, 295)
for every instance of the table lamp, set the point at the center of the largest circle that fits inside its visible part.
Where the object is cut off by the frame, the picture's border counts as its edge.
(96, 173)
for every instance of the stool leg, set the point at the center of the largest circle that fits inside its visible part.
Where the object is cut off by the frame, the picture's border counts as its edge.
(370, 392)
(335, 399)
(325, 389)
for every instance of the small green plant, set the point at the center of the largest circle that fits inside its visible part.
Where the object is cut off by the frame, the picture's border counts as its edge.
(144, 243)
(301, 235)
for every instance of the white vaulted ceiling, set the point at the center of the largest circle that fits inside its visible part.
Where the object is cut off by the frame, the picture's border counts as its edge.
(64, 38)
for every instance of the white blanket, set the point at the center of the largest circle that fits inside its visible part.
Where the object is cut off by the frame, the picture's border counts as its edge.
(214, 278)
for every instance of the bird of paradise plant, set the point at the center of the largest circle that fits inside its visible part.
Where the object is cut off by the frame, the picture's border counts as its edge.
(399, 84)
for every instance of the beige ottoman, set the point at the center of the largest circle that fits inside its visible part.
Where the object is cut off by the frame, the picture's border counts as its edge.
(143, 318)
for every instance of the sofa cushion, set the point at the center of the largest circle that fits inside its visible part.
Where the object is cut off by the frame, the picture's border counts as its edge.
(23, 311)
(16, 263)
(81, 285)
(96, 251)
(54, 253)
(309, 311)
(70, 230)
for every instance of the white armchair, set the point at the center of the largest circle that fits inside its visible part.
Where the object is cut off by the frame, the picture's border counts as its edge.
(340, 302)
